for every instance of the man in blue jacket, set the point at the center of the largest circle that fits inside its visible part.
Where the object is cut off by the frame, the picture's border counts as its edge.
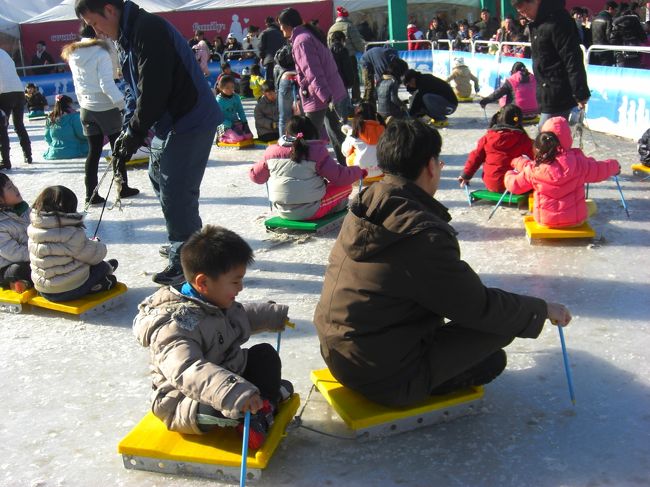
(167, 94)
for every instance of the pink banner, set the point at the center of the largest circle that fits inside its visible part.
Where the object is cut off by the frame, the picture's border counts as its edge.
(213, 22)
(55, 34)
(237, 20)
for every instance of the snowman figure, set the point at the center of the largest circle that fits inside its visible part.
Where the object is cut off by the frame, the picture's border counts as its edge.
(236, 29)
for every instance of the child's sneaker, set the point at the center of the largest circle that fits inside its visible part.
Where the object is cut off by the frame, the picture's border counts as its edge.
(231, 137)
(261, 423)
(286, 390)
(113, 263)
(19, 286)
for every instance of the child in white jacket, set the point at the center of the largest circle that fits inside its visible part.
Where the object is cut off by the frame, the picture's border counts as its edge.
(14, 256)
(66, 265)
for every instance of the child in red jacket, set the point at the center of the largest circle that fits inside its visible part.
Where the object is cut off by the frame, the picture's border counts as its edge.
(558, 175)
(505, 140)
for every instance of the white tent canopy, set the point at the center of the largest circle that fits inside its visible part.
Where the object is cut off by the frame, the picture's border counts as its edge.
(65, 10)
(218, 4)
(356, 5)
(13, 13)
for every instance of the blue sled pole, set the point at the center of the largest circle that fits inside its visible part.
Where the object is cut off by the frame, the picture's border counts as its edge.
(618, 185)
(498, 203)
(244, 449)
(567, 369)
(469, 197)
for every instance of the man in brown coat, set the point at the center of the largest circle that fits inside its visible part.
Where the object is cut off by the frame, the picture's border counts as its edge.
(395, 274)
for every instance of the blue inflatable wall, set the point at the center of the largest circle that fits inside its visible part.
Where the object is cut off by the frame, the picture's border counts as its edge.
(619, 105)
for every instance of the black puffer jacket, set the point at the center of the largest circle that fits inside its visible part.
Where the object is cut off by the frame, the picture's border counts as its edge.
(557, 59)
(427, 83)
(271, 40)
(601, 26)
(627, 31)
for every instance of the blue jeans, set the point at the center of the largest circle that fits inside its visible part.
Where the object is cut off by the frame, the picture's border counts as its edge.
(287, 92)
(98, 277)
(176, 169)
(543, 117)
(438, 107)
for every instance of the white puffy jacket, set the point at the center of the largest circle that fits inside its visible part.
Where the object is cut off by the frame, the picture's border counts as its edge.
(60, 253)
(92, 73)
(9, 80)
(13, 236)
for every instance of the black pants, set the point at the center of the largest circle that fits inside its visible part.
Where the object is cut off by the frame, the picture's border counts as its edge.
(271, 136)
(356, 85)
(101, 278)
(20, 271)
(95, 146)
(14, 103)
(263, 369)
(455, 350)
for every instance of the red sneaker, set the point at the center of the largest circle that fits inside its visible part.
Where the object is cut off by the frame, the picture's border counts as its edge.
(261, 422)
(19, 286)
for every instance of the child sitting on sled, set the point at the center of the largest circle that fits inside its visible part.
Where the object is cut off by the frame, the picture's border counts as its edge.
(304, 182)
(558, 175)
(202, 377)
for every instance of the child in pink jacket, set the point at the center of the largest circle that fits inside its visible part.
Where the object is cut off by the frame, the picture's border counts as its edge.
(304, 182)
(558, 176)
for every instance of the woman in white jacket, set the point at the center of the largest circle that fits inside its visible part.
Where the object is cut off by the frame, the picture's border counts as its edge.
(101, 102)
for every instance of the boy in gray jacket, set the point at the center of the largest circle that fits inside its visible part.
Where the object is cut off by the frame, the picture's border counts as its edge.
(202, 378)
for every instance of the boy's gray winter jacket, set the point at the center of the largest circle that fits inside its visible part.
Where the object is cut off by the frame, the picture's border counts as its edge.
(196, 354)
(266, 117)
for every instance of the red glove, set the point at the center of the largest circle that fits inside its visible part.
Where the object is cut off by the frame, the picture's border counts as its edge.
(364, 173)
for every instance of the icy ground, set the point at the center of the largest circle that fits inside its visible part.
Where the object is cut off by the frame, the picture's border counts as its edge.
(70, 390)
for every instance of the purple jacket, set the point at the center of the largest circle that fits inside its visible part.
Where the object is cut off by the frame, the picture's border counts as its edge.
(316, 71)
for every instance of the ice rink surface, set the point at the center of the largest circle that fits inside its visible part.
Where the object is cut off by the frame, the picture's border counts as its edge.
(70, 390)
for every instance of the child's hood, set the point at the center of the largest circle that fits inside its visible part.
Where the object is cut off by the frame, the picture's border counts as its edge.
(503, 138)
(47, 220)
(560, 127)
(165, 305)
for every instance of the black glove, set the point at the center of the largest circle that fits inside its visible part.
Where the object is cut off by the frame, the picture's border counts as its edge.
(483, 103)
(126, 145)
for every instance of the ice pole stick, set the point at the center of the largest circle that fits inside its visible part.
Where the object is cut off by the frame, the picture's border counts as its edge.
(498, 203)
(244, 449)
(567, 369)
(618, 185)
(469, 198)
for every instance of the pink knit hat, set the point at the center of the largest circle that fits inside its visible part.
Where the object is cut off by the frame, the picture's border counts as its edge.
(341, 11)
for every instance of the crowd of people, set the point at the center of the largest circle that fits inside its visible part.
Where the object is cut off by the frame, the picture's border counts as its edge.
(395, 275)
(617, 24)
